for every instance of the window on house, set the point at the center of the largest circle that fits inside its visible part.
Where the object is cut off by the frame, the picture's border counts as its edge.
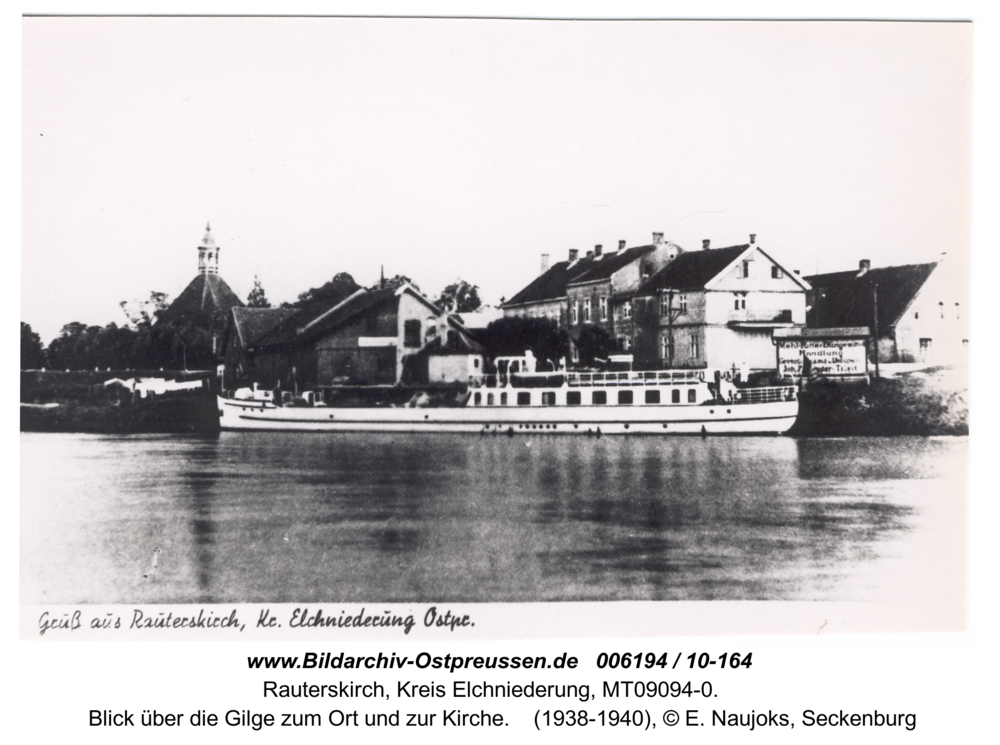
(586, 310)
(965, 343)
(599, 398)
(475, 362)
(573, 398)
(627, 309)
(692, 395)
(604, 308)
(411, 333)
(916, 314)
(776, 272)
(682, 304)
(652, 397)
(575, 354)
(624, 397)
(941, 305)
(745, 269)
(574, 312)
(925, 345)
(524, 398)
(675, 396)
(664, 347)
(664, 305)
(694, 345)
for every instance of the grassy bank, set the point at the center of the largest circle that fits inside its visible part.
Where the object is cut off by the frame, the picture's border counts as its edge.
(907, 405)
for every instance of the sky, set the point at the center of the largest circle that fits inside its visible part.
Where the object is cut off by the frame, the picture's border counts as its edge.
(445, 149)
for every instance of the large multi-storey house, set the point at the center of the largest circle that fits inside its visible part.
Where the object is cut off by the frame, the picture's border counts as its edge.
(716, 308)
(599, 299)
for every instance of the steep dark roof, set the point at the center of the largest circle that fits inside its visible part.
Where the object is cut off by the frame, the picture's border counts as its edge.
(252, 323)
(610, 263)
(845, 299)
(206, 296)
(692, 270)
(551, 284)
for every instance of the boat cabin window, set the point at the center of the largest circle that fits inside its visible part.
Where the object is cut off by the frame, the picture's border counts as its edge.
(503, 399)
(478, 398)
(572, 398)
(652, 397)
(599, 398)
(624, 397)
(548, 398)
(489, 399)
(675, 396)
(524, 398)
(692, 395)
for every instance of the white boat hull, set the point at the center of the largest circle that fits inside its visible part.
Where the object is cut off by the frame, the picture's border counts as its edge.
(771, 418)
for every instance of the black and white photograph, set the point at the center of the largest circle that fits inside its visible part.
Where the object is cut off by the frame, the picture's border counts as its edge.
(602, 324)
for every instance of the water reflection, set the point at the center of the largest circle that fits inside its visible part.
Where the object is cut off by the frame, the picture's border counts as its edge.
(354, 518)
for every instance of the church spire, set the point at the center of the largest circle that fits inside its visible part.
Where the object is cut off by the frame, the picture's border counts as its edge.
(208, 253)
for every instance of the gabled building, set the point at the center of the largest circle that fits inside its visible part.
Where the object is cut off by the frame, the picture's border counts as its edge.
(371, 337)
(920, 310)
(600, 295)
(239, 342)
(545, 296)
(717, 308)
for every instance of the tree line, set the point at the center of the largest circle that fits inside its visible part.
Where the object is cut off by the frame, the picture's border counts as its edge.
(192, 341)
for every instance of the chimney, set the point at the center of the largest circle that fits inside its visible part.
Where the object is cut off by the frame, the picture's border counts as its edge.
(597, 251)
(863, 266)
(753, 238)
(574, 254)
(590, 254)
(545, 263)
(621, 245)
(704, 244)
(657, 239)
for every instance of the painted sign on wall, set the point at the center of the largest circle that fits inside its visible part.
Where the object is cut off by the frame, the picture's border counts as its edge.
(831, 358)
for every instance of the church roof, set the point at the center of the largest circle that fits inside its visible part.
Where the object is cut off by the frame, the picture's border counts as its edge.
(207, 298)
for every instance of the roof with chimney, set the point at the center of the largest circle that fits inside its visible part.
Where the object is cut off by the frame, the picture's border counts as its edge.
(846, 298)
(693, 270)
(551, 284)
(609, 263)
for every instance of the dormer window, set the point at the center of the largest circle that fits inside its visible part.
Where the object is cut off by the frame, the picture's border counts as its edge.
(745, 269)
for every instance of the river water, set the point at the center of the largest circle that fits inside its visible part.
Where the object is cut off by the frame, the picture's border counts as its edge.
(288, 517)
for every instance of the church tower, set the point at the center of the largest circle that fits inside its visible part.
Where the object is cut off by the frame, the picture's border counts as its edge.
(208, 253)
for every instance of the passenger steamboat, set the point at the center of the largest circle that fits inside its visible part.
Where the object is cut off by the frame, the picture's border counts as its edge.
(520, 400)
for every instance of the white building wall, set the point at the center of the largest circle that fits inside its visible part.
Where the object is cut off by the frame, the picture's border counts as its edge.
(935, 328)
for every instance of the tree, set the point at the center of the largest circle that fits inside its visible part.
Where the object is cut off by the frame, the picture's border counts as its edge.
(507, 337)
(32, 355)
(460, 297)
(143, 313)
(257, 298)
(338, 288)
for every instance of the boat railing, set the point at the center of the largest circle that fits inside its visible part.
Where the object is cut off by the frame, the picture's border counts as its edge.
(766, 395)
(587, 379)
